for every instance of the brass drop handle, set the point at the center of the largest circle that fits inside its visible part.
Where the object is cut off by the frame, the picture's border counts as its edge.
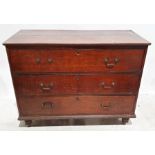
(110, 64)
(37, 60)
(77, 52)
(103, 85)
(47, 105)
(50, 60)
(105, 106)
(46, 88)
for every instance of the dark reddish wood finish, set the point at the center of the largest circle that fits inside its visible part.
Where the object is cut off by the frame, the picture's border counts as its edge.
(76, 37)
(76, 84)
(109, 84)
(76, 60)
(46, 85)
(76, 74)
(76, 105)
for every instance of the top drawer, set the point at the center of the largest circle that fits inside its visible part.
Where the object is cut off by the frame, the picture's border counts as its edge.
(75, 60)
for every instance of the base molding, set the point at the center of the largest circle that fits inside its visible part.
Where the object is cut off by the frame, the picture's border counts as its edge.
(74, 117)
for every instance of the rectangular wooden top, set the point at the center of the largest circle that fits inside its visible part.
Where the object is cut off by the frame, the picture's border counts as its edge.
(76, 37)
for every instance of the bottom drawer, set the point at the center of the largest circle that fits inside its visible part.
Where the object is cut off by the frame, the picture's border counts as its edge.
(76, 105)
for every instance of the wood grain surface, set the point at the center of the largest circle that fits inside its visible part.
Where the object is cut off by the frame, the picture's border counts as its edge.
(76, 105)
(45, 60)
(75, 37)
(60, 74)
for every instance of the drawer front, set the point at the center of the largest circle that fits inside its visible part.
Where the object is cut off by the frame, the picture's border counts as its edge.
(76, 60)
(45, 85)
(109, 84)
(76, 105)
(78, 84)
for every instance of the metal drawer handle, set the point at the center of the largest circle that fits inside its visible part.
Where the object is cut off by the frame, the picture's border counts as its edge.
(77, 52)
(47, 105)
(38, 60)
(103, 85)
(105, 106)
(111, 64)
(50, 60)
(46, 88)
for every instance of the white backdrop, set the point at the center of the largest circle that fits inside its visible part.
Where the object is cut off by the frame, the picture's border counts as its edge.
(146, 101)
(77, 12)
(146, 31)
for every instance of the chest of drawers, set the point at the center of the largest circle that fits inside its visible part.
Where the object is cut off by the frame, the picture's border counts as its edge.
(76, 74)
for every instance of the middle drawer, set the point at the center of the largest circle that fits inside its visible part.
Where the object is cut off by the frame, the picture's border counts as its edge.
(76, 84)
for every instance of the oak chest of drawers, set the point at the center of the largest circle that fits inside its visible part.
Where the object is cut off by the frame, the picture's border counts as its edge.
(76, 74)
